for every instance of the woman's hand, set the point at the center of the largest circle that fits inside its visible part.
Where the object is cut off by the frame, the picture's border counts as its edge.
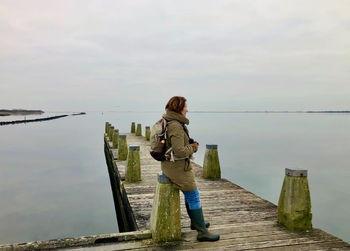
(195, 146)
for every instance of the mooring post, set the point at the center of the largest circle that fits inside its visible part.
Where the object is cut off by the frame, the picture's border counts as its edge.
(132, 127)
(211, 165)
(110, 133)
(148, 133)
(133, 169)
(166, 214)
(107, 127)
(122, 148)
(138, 130)
(294, 204)
(115, 138)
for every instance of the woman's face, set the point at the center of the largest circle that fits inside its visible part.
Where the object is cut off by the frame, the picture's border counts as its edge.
(185, 110)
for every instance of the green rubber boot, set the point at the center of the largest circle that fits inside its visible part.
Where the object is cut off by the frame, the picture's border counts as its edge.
(199, 224)
(207, 224)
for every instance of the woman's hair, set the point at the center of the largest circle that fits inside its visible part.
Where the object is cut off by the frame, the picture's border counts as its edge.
(176, 104)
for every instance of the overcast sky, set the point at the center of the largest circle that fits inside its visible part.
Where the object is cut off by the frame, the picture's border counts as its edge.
(134, 55)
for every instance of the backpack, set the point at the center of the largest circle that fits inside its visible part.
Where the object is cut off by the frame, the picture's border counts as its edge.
(158, 139)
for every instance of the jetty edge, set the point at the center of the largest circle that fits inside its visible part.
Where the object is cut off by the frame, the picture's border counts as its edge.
(244, 220)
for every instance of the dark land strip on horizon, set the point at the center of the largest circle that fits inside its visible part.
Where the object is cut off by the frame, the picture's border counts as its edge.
(6, 112)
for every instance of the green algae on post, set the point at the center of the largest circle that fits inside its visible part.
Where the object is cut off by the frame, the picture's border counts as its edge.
(148, 133)
(211, 165)
(294, 204)
(133, 169)
(122, 148)
(115, 138)
(138, 130)
(106, 127)
(110, 133)
(132, 127)
(166, 214)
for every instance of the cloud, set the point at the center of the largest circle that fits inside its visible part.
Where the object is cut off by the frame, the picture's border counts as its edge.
(230, 54)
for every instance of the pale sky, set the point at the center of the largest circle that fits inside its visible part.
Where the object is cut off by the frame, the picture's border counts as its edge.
(134, 55)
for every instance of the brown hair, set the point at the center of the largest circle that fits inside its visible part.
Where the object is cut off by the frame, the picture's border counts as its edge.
(176, 104)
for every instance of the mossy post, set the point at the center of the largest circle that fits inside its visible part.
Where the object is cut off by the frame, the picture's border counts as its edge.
(294, 205)
(107, 127)
(211, 165)
(132, 127)
(138, 130)
(115, 138)
(122, 148)
(148, 133)
(166, 214)
(110, 133)
(133, 169)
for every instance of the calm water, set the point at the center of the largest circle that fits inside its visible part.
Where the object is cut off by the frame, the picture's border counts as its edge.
(54, 181)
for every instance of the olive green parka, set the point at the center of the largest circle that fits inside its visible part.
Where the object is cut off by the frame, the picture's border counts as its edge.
(179, 171)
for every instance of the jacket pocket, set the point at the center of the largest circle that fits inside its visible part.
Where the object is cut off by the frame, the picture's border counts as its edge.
(187, 165)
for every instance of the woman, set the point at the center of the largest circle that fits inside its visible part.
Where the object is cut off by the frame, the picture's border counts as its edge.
(179, 169)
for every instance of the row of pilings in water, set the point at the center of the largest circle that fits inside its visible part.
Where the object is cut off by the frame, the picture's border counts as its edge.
(294, 205)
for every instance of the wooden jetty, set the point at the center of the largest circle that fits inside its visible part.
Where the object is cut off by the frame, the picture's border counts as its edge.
(243, 220)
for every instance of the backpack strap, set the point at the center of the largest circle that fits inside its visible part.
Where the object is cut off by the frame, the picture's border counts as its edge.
(166, 127)
(182, 124)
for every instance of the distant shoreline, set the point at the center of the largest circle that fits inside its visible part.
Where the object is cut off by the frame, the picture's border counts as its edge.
(6, 112)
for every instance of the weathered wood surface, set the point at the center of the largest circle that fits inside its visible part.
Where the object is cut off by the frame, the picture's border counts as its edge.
(244, 220)
(85, 241)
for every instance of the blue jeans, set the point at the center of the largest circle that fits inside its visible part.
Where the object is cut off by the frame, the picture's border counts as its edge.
(192, 199)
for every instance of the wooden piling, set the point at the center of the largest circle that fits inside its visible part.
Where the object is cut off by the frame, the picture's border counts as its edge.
(133, 169)
(132, 127)
(110, 132)
(138, 130)
(115, 138)
(107, 127)
(122, 148)
(166, 214)
(211, 165)
(294, 205)
(147, 133)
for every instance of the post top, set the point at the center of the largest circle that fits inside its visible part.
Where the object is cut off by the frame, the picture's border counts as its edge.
(134, 147)
(147, 127)
(296, 172)
(162, 178)
(112, 127)
(138, 124)
(122, 136)
(212, 146)
(132, 122)
(116, 130)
